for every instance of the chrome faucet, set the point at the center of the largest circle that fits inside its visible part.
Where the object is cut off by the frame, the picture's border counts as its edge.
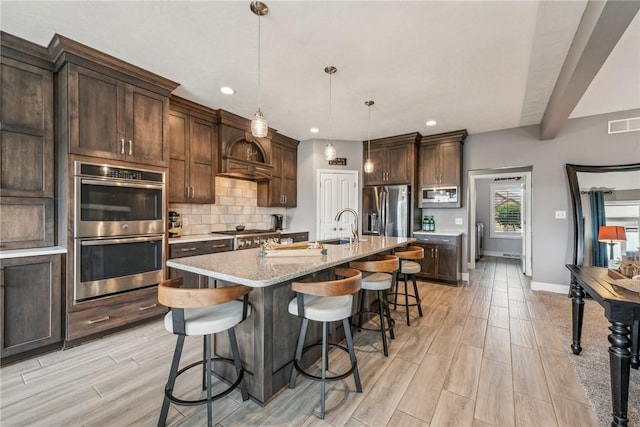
(354, 228)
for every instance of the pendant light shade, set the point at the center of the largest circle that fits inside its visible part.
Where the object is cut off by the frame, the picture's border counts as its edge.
(368, 164)
(330, 150)
(259, 126)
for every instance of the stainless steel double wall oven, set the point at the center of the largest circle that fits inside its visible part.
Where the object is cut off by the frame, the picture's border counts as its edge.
(119, 229)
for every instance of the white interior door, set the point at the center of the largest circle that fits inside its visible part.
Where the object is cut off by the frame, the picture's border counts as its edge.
(337, 190)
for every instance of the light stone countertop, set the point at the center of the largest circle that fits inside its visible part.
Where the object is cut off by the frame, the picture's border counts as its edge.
(247, 267)
(21, 253)
(438, 233)
(198, 238)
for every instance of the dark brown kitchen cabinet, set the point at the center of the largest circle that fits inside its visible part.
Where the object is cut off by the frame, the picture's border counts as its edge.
(193, 147)
(30, 300)
(441, 160)
(281, 190)
(108, 108)
(394, 160)
(181, 250)
(442, 257)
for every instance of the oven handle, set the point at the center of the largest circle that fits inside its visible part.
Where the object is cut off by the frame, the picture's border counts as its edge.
(120, 184)
(119, 241)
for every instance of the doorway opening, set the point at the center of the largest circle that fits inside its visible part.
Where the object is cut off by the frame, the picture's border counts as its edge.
(506, 194)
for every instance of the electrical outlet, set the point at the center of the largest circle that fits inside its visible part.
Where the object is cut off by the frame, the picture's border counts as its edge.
(561, 214)
(459, 221)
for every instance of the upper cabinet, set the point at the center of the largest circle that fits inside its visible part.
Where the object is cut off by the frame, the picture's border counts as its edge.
(281, 190)
(108, 108)
(394, 160)
(26, 117)
(441, 159)
(193, 137)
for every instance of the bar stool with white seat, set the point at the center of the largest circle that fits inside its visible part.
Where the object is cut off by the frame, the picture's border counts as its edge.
(409, 267)
(381, 271)
(326, 301)
(203, 312)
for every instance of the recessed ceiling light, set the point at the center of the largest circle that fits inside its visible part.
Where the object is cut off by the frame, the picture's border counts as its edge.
(314, 130)
(431, 123)
(227, 90)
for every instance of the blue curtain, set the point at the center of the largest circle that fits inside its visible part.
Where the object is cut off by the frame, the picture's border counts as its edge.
(598, 218)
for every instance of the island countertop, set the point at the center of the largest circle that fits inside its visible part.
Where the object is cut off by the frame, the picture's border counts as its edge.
(247, 267)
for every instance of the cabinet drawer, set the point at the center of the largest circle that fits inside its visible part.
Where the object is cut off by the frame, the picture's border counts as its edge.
(436, 239)
(179, 250)
(112, 315)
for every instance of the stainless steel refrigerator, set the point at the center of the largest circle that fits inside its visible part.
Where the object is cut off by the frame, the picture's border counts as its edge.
(387, 210)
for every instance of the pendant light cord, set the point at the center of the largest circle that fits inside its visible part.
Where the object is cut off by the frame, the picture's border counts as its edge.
(369, 141)
(330, 115)
(259, 80)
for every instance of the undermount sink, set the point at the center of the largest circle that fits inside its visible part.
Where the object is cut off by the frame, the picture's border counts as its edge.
(335, 242)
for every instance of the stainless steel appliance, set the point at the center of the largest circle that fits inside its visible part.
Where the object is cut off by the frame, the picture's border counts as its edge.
(119, 227)
(117, 201)
(277, 222)
(439, 197)
(387, 210)
(247, 239)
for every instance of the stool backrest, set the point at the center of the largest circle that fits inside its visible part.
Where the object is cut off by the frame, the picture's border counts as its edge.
(411, 252)
(171, 294)
(350, 284)
(380, 264)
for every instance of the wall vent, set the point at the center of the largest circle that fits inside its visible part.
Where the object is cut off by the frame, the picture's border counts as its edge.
(624, 125)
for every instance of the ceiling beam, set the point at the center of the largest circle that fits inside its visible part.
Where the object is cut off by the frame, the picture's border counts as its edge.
(601, 26)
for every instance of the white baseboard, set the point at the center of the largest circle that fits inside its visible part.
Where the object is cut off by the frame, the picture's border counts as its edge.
(550, 287)
(465, 277)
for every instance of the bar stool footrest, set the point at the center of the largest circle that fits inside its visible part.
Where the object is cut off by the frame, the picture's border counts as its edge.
(410, 304)
(223, 393)
(361, 313)
(331, 378)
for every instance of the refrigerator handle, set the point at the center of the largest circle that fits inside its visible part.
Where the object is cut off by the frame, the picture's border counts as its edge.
(384, 210)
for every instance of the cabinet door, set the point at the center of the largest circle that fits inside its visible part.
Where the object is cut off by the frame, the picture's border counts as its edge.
(450, 157)
(201, 161)
(428, 264)
(95, 104)
(178, 155)
(400, 164)
(146, 119)
(30, 302)
(429, 166)
(26, 114)
(379, 159)
(447, 262)
(289, 183)
(276, 195)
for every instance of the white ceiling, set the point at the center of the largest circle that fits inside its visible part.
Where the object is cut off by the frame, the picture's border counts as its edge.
(479, 65)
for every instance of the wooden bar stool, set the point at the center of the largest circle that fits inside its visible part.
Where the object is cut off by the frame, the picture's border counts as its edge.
(409, 268)
(202, 312)
(327, 301)
(382, 270)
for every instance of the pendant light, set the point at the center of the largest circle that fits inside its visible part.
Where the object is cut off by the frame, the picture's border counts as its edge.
(259, 126)
(368, 165)
(330, 150)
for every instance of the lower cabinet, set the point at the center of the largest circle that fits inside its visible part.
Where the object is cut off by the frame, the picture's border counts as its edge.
(296, 237)
(442, 257)
(180, 250)
(30, 300)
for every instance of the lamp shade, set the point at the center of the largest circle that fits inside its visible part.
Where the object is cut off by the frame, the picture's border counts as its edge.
(611, 234)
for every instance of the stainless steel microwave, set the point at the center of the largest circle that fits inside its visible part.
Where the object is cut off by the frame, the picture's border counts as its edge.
(439, 196)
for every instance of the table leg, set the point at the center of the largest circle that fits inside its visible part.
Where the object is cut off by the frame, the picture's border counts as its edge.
(635, 353)
(578, 311)
(619, 361)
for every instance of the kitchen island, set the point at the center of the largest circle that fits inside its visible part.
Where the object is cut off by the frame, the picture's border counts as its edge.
(267, 339)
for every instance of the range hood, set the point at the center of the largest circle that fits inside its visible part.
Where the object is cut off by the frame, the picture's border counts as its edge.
(242, 155)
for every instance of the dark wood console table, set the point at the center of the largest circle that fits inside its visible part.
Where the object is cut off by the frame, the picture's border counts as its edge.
(622, 309)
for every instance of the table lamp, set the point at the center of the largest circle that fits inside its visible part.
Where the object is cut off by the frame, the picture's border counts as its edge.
(611, 234)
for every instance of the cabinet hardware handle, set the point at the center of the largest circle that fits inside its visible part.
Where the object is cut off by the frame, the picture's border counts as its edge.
(188, 249)
(147, 307)
(193, 193)
(334, 229)
(436, 252)
(102, 319)
(122, 146)
(130, 147)
(285, 199)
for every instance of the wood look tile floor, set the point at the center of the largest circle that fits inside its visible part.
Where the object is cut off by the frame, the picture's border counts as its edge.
(484, 354)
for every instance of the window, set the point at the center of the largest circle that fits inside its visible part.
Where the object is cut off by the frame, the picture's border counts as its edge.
(506, 210)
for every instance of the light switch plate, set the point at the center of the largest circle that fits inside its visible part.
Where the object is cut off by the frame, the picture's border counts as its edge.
(459, 221)
(561, 214)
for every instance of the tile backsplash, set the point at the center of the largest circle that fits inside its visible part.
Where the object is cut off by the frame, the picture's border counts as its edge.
(236, 203)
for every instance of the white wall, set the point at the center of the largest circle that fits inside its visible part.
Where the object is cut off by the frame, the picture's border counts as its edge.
(310, 159)
(581, 141)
